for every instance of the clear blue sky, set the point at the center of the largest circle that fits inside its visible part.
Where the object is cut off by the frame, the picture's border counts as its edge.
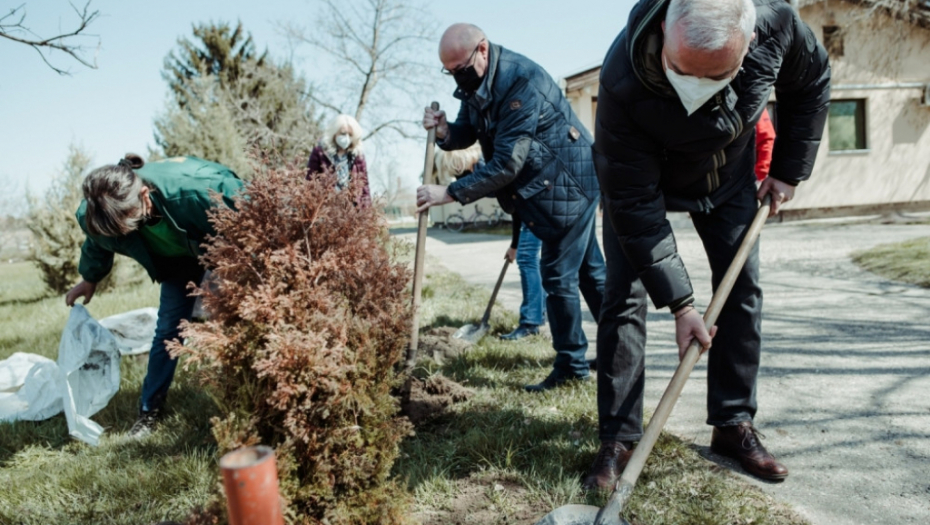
(110, 110)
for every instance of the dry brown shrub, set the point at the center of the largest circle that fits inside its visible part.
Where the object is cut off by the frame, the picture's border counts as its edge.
(307, 324)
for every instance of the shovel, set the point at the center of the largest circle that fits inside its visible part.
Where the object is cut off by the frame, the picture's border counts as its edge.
(421, 251)
(610, 513)
(473, 333)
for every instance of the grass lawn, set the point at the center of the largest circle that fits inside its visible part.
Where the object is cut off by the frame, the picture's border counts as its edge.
(504, 456)
(907, 261)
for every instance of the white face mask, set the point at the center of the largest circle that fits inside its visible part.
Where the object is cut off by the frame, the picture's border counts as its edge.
(343, 140)
(693, 91)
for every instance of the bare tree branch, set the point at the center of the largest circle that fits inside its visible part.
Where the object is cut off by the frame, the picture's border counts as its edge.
(378, 48)
(396, 125)
(12, 27)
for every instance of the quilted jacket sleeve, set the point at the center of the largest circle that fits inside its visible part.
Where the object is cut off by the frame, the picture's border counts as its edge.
(628, 167)
(517, 120)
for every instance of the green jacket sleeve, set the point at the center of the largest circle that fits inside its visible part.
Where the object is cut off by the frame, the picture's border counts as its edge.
(96, 261)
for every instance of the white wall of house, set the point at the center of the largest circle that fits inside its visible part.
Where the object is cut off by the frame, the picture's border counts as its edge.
(892, 59)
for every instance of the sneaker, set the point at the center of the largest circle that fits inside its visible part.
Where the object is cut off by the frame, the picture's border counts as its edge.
(524, 330)
(145, 425)
(554, 380)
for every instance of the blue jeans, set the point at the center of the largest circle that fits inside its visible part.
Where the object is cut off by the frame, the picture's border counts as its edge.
(567, 264)
(533, 307)
(174, 306)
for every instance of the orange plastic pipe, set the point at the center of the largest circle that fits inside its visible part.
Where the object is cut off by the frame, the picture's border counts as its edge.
(250, 478)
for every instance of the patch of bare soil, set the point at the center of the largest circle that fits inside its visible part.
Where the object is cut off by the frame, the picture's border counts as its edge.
(424, 399)
(439, 344)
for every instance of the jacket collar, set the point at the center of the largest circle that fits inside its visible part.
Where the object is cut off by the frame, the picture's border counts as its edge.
(159, 202)
(484, 96)
(645, 45)
(329, 150)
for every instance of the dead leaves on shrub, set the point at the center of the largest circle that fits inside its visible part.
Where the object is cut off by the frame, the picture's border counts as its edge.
(307, 323)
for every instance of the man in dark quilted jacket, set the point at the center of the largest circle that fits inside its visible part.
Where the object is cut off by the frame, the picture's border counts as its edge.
(681, 90)
(537, 162)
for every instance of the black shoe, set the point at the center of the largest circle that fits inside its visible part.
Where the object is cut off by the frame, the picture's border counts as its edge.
(145, 425)
(524, 330)
(592, 365)
(553, 380)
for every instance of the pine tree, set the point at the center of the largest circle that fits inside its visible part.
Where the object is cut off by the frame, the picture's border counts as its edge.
(57, 235)
(228, 101)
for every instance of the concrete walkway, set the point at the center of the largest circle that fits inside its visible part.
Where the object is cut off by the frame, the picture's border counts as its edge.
(844, 390)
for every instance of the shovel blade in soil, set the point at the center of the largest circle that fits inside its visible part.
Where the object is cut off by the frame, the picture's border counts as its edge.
(471, 333)
(576, 515)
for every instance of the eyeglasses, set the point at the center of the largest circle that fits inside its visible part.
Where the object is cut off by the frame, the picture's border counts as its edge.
(471, 57)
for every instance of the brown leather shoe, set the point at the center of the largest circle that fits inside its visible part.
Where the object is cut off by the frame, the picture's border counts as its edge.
(609, 463)
(741, 442)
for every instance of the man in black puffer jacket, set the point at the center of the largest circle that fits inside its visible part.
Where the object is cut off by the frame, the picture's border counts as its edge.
(681, 90)
(538, 162)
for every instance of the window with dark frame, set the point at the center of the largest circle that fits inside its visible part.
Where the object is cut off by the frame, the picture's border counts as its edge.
(847, 125)
(833, 40)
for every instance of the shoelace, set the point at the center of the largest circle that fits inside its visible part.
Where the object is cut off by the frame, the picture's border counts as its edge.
(605, 455)
(752, 437)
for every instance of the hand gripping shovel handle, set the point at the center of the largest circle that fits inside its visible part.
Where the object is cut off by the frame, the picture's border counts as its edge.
(421, 249)
(638, 460)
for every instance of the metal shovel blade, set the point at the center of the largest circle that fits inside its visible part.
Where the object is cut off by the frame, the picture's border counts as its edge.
(578, 515)
(471, 333)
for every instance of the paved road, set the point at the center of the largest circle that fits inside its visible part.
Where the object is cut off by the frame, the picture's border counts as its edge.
(844, 390)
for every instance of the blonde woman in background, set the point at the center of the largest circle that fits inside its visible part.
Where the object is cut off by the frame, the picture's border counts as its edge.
(339, 153)
(524, 246)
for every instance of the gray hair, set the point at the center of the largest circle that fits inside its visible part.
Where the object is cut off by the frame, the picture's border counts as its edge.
(710, 25)
(114, 207)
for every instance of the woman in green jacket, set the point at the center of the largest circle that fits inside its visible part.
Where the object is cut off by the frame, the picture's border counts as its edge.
(154, 213)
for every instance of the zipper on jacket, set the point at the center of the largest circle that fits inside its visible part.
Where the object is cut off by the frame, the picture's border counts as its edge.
(734, 123)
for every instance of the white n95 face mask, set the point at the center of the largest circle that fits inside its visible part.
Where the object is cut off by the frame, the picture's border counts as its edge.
(693, 91)
(343, 140)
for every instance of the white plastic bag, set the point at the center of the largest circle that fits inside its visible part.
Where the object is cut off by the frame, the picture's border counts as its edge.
(81, 383)
(28, 388)
(134, 330)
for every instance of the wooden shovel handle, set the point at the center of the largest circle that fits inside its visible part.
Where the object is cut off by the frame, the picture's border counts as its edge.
(638, 460)
(418, 262)
(497, 288)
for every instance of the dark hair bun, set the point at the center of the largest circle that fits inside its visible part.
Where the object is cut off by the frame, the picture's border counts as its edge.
(134, 161)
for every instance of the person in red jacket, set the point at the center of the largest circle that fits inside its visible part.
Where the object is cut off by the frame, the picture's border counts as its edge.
(765, 143)
(340, 153)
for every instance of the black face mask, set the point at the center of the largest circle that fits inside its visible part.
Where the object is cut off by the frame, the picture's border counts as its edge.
(467, 79)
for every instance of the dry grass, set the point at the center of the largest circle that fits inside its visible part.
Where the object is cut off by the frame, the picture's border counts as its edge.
(907, 261)
(504, 456)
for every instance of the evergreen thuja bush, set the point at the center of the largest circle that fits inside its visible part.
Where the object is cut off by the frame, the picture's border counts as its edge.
(308, 319)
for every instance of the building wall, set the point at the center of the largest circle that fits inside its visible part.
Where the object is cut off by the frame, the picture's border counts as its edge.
(895, 167)
(878, 51)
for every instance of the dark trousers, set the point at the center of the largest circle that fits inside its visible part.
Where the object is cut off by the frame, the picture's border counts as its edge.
(733, 360)
(175, 305)
(571, 263)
